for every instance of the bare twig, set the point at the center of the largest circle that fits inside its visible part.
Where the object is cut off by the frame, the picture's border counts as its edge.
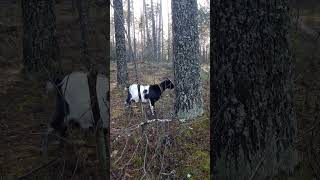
(257, 168)
(51, 162)
(75, 169)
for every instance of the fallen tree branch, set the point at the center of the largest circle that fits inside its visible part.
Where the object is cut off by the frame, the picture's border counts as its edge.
(136, 126)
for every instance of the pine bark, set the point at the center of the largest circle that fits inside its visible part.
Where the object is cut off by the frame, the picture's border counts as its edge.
(83, 11)
(169, 38)
(129, 32)
(154, 36)
(134, 35)
(188, 88)
(159, 32)
(162, 38)
(40, 45)
(121, 55)
(253, 123)
(148, 45)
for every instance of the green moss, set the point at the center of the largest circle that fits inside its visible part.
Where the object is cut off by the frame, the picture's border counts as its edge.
(204, 158)
(204, 75)
(202, 122)
(187, 132)
(197, 166)
(137, 161)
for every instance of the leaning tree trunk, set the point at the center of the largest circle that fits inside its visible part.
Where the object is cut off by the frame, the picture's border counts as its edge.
(83, 11)
(188, 103)
(40, 46)
(253, 125)
(122, 73)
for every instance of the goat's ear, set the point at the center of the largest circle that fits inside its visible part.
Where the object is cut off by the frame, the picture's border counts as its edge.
(169, 79)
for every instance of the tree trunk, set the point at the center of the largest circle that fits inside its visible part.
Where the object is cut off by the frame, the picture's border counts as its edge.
(253, 125)
(142, 36)
(40, 46)
(188, 103)
(159, 33)
(148, 48)
(169, 36)
(108, 57)
(134, 35)
(122, 74)
(154, 37)
(129, 32)
(83, 11)
(162, 38)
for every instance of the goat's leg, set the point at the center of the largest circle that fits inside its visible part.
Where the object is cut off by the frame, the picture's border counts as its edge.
(151, 103)
(128, 100)
(44, 143)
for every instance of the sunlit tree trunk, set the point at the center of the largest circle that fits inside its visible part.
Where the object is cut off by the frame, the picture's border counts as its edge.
(162, 38)
(134, 34)
(253, 125)
(154, 36)
(148, 45)
(129, 32)
(160, 30)
(142, 35)
(121, 55)
(169, 36)
(188, 88)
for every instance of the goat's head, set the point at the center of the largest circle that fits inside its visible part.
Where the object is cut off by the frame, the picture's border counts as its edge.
(167, 84)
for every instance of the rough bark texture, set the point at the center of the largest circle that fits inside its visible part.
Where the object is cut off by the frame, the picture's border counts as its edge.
(169, 37)
(253, 124)
(188, 103)
(134, 34)
(83, 10)
(129, 33)
(154, 36)
(162, 38)
(108, 57)
(148, 44)
(121, 55)
(40, 46)
(160, 31)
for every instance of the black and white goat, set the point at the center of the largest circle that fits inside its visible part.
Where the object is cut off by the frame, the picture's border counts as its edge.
(73, 102)
(147, 93)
